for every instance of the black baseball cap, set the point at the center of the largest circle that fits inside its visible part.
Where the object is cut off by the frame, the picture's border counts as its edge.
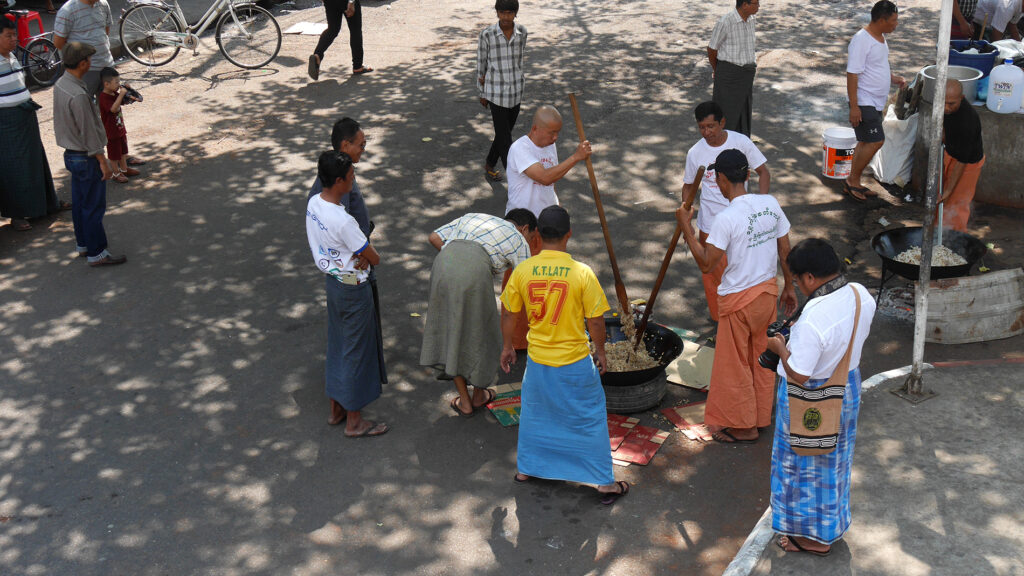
(553, 222)
(730, 162)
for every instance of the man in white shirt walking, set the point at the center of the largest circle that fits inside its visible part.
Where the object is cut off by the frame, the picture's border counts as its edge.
(732, 57)
(868, 78)
(533, 166)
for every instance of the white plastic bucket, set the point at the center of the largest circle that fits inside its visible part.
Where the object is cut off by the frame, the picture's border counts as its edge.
(837, 152)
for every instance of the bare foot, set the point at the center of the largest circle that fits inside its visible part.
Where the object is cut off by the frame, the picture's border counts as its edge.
(338, 414)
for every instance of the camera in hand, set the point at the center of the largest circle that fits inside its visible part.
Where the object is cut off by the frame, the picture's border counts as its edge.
(769, 359)
(131, 95)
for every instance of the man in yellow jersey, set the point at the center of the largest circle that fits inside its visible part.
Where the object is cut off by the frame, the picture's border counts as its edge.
(563, 430)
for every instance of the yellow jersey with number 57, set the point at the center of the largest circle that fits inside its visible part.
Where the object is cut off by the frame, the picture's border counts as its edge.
(559, 294)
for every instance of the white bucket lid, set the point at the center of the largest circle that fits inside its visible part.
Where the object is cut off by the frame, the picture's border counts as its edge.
(840, 133)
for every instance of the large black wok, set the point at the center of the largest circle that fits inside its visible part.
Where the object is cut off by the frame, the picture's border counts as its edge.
(891, 243)
(660, 342)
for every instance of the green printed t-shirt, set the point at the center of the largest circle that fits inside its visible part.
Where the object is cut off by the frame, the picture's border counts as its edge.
(559, 293)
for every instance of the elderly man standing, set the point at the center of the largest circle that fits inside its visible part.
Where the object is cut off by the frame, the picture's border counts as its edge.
(533, 166)
(754, 233)
(77, 127)
(868, 78)
(715, 139)
(732, 57)
(563, 429)
(462, 336)
(26, 185)
(499, 70)
(88, 22)
(963, 157)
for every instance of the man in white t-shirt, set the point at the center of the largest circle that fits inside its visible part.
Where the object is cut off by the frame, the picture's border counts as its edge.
(754, 233)
(716, 139)
(868, 78)
(533, 166)
(818, 341)
(354, 371)
(1000, 14)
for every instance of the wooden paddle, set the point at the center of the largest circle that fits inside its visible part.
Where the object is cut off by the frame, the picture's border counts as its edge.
(620, 289)
(664, 268)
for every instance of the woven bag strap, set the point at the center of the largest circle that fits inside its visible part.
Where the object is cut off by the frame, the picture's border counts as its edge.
(839, 377)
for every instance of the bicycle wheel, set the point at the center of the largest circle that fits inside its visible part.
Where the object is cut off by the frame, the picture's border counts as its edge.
(42, 62)
(251, 42)
(148, 34)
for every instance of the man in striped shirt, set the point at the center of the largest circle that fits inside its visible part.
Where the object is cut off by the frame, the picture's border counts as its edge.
(499, 68)
(731, 54)
(88, 22)
(26, 185)
(461, 335)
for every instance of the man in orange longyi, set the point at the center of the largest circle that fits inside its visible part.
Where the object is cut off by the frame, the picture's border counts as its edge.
(754, 233)
(963, 158)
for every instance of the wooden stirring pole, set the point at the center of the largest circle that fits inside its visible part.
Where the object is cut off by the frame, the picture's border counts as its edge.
(620, 288)
(664, 268)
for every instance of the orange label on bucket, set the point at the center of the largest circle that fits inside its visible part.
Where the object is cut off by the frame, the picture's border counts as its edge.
(836, 162)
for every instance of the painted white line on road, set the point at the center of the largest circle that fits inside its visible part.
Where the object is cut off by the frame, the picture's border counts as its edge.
(749, 554)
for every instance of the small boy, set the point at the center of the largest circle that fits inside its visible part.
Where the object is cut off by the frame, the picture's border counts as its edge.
(110, 100)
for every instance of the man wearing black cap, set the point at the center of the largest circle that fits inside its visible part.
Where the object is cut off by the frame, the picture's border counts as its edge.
(77, 128)
(753, 233)
(563, 430)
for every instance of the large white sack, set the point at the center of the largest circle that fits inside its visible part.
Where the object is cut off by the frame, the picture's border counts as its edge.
(894, 163)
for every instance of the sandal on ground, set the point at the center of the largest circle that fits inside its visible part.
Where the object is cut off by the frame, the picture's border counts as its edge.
(131, 172)
(362, 70)
(454, 405)
(64, 206)
(133, 161)
(724, 433)
(118, 176)
(490, 398)
(372, 429)
(20, 224)
(609, 498)
(314, 67)
(522, 480)
(855, 192)
(800, 548)
(493, 174)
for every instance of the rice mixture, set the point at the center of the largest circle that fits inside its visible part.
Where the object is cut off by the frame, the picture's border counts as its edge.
(620, 355)
(941, 256)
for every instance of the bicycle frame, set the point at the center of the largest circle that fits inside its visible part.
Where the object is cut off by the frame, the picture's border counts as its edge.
(211, 16)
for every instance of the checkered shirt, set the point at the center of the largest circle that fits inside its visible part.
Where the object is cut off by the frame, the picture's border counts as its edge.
(500, 63)
(734, 39)
(503, 243)
(967, 8)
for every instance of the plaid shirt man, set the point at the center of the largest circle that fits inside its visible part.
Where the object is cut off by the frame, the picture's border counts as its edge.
(967, 8)
(734, 39)
(500, 63)
(499, 238)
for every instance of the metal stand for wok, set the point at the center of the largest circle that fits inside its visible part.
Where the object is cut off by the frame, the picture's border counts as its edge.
(881, 286)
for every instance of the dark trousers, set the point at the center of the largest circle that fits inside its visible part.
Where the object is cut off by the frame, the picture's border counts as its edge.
(734, 92)
(88, 201)
(504, 121)
(335, 11)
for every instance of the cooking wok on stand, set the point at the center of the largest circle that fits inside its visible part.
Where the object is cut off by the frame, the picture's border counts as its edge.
(890, 243)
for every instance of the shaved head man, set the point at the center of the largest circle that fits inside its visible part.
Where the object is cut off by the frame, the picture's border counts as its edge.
(533, 166)
(963, 157)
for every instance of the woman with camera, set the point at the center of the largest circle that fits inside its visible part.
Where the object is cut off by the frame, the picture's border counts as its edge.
(817, 402)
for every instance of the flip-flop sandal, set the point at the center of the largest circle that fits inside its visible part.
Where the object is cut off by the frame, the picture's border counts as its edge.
(493, 175)
(454, 405)
(64, 206)
(133, 161)
(731, 439)
(490, 398)
(610, 498)
(20, 224)
(363, 70)
(374, 429)
(333, 422)
(520, 481)
(119, 177)
(854, 192)
(800, 548)
(314, 67)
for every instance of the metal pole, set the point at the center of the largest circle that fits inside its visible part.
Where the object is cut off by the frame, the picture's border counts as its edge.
(912, 388)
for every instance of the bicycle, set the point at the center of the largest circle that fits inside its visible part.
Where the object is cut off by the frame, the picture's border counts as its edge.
(153, 32)
(37, 54)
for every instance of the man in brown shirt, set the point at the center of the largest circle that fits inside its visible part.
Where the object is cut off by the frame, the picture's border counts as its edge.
(77, 128)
